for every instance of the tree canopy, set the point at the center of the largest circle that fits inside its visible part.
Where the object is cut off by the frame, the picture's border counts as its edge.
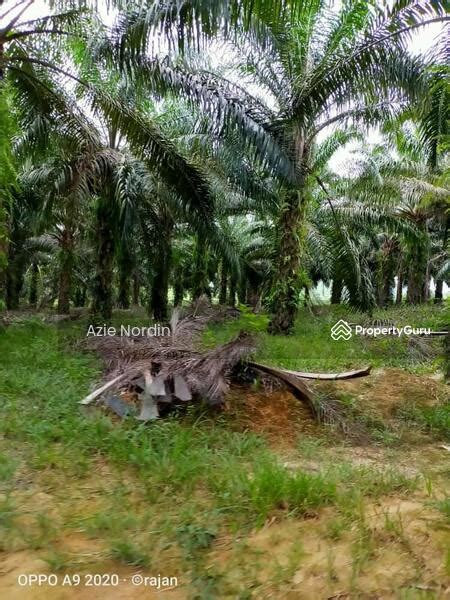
(180, 148)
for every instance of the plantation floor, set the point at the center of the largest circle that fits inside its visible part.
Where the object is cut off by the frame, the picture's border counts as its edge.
(258, 502)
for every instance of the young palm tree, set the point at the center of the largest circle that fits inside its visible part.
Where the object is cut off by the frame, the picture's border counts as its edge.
(317, 66)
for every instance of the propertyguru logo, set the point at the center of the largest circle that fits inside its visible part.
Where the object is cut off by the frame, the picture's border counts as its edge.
(344, 331)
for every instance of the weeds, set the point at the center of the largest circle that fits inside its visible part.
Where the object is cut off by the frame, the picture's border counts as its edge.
(129, 553)
(189, 478)
(444, 507)
(335, 528)
(57, 560)
(193, 538)
(8, 467)
(434, 419)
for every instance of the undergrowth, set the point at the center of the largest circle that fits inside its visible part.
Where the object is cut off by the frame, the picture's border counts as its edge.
(181, 483)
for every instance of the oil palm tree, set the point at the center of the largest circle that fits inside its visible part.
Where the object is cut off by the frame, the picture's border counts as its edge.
(31, 53)
(317, 66)
(402, 184)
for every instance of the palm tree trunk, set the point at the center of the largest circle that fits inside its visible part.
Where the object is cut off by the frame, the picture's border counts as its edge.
(223, 284)
(399, 292)
(125, 264)
(200, 276)
(136, 290)
(438, 291)
(414, 291)
(65, 270)
(306, 297)
(336, 290)
(79, 297)
(385, 289)
(447, 357)
(253, 295)
(178, 292)
(178, 285)
(14, 280)
(287, 281)
(15, 263)
(4, 247)
(102, 289)
(242, 290)
(7, 177)
(159, 299)
(417, 274)
(233, 287)
(33, 295)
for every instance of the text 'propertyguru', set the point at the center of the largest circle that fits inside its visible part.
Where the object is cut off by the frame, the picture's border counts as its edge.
(395, 331)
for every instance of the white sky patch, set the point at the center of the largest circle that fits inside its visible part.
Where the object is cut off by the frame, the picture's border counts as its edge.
(422, 40)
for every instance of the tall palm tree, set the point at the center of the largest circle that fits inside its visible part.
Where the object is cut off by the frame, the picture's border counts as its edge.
(23, 42)
(317, 66)
(31, 55)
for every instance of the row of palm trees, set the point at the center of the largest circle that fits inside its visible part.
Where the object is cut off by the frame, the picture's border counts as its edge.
(133, 169)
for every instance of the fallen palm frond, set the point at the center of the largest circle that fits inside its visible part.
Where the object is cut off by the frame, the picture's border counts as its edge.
(299, 388)
(168, 373)
(101, 390)
(186, 327)
(333, 376)
(164, 370)
(325, 409)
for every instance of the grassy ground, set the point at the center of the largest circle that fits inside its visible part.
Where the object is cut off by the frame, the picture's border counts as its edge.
(311, 347)
(254, 503)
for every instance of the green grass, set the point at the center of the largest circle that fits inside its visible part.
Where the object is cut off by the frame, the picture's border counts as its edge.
(311, 348)
(174, 487)
(434, 419)
(444, 507)
(130, 553)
